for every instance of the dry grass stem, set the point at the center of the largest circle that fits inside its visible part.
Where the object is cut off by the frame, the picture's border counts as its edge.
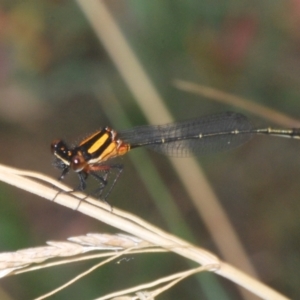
(144, 296)
(83, 274)
(39, 176)
(225, 98)
(172, 279)
(116, 218)
(115, 241)
(144, 232)
(79, 258)
(21, 260)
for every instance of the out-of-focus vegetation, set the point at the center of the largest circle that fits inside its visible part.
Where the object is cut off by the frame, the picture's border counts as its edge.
(50, 64)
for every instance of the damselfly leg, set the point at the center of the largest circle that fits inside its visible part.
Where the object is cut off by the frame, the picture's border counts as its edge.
(103, 180)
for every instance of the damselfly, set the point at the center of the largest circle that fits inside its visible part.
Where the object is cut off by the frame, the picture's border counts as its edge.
(197, 136)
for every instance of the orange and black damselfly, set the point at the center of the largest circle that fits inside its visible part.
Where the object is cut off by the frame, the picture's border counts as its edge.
(197, 136)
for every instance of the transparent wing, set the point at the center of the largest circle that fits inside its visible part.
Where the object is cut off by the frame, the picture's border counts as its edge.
(198, 136)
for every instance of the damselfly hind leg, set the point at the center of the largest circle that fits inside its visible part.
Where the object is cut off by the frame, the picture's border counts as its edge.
(101, 174)
(103, 180)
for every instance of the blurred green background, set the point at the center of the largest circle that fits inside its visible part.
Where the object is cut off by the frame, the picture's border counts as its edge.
(50, 64)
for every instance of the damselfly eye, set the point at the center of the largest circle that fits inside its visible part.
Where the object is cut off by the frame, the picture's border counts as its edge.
(78, 163)
(58, 146)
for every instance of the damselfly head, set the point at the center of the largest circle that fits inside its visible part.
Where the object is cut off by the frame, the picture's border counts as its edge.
(62, 151)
